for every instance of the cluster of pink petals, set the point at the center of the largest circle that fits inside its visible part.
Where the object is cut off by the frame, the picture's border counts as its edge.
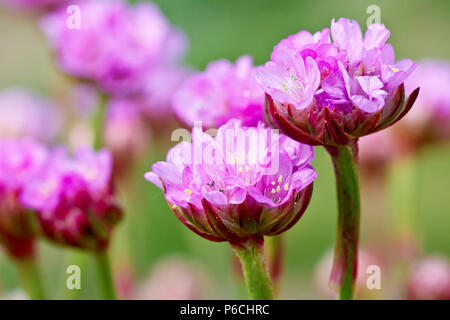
(230, 188)
(74, 199)
(116, 46)
(25, 114)
(20, 161)
(333, 91)
(222, 92)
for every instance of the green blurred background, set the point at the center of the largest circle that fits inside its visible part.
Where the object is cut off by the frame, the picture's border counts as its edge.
(228, 29)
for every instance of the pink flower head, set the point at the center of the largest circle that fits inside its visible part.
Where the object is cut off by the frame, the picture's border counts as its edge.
(429, 279)
(20, 161)
(246, 182)
(25, 114)
(115, 44)
(222, 92)
(430, 119)
(329, 93)
(74, 199)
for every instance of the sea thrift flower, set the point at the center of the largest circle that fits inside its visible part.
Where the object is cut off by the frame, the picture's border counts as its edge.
(25, 114)
(234, 196)
(430, 119)
(74, 199)
(429, 279)
(242, 185)
(116, 44)
(330, 93)
(20, 161)
(222, 92)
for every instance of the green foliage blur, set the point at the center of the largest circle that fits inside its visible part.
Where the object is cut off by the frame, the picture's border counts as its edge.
(228, 29)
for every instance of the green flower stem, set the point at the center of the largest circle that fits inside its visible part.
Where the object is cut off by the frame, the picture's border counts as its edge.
(256, 274)
(98, 121)
(343, 273)
(30, 278)
(105, 275)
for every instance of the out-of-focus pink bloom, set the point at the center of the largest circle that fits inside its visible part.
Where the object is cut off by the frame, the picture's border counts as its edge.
(430, 118)
(25, 114)
(116, 44)
(246, 182)
(429, 279)
(74, 199)
(222, 92)
(174, 279)
(20, 161)
(330, 93)
(126, 134)
(376, 151)
(34, 4)
(157, 92)
(366, 260)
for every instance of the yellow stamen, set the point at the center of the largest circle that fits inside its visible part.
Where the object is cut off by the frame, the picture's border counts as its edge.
(278, 188)
(273, 183)
(188, 191)
(394, 69)
(280, 178)
(247, 168)
(240, 169)
(273, 190)
(286, 186)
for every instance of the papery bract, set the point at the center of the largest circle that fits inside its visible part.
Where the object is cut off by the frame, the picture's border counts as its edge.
(222, 92)
(246, 182)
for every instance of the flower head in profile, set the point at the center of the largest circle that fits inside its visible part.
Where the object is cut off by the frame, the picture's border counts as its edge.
(324, 92)
(245, 182)
(25, 114)
(116, 44)
(222, 92)
(20, 161)
(74, 199)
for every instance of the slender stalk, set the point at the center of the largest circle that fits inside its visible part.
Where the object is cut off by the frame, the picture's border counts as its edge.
(30, 278)
(105, 275)
(274, 247)
(344, 269)
(255, 269)
(98, 121)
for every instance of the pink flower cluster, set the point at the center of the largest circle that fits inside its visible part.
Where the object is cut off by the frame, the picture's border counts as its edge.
(116, 45)
(245, 182)
(222, 92)
(325, 92)
(69, 200)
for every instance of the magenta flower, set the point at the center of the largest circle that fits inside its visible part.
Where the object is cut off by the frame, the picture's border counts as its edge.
(25, 114)
(222, 92)
(430, 119)
(429, 279)
(231, 188)
(116, 44)
(329, 93)
(20, 161)
(74, 199)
